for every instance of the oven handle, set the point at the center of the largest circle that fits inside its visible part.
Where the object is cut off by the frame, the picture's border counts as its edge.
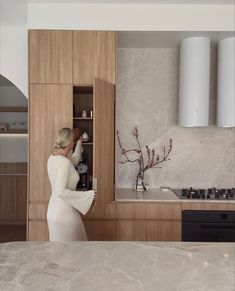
(217, 226)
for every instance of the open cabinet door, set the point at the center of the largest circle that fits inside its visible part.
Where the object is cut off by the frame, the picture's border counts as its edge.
(103, 135)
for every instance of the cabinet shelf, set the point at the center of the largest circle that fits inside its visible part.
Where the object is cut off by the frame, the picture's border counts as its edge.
(87, 144)
(11, 131)
(83, 118)
(13, 109)
(13, 222)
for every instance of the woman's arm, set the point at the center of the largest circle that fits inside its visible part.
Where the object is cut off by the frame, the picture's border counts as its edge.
(77, 154)
(80, 200)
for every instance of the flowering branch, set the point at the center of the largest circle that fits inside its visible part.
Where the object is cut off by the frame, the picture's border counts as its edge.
(153, 158)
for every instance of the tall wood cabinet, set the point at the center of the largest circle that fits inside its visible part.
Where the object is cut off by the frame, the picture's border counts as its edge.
(62, 64)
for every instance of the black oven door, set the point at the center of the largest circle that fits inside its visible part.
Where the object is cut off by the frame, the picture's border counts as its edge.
(208, 226)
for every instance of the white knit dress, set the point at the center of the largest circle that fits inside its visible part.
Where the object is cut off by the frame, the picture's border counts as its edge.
(63, 217)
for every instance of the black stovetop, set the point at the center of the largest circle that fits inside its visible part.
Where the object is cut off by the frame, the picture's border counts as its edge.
(210, 193)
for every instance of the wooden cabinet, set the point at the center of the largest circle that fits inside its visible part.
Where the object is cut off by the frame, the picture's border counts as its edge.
(8, 190)
(94, 56)
(159, 221)
(131, 230)
(38, 230)
(62, 66)
(50, 108)
(50, 56)
(103, 229)
(99, 150)
(13, 201)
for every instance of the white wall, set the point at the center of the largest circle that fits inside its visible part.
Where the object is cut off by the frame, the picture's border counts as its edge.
(13, 43)
(131, 17)
(13, 148)
(17, 16)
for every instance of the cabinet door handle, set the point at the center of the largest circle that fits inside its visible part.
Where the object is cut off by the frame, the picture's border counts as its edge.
(95, 184)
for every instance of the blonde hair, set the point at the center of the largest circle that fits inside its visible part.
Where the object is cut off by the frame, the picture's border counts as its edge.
(64, 138)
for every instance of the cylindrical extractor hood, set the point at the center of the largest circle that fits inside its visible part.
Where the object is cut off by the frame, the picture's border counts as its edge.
(194, 82)
(225, 83)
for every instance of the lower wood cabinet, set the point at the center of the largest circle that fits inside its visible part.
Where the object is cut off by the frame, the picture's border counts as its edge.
(148, 230)
(13, 197)
(131, 230)
(163, 230)
(101, 230)
(38, 230)
(159, 221)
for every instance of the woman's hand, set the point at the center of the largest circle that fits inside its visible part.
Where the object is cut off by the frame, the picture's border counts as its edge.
(94, 203)
(77, 134)
(96, 195)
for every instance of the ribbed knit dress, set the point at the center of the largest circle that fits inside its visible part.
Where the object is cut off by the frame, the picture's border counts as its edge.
(65, 205)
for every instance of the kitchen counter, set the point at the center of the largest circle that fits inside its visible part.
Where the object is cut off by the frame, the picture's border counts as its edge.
(157, 195)
(152, 195)
(126, 266)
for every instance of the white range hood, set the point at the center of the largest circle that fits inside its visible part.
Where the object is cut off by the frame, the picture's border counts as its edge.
(194, 83)
(225, 83)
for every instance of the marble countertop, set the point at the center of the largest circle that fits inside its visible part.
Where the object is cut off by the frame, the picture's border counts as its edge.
(125, 194)
(126, 266)
(157, 195)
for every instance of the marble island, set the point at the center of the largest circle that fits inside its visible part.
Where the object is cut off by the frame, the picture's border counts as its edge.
(126, 266)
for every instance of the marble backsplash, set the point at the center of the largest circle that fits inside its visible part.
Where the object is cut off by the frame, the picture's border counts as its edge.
(147, 97)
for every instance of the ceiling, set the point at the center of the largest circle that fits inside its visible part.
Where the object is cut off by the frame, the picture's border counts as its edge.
(207, 2)
(165, 39)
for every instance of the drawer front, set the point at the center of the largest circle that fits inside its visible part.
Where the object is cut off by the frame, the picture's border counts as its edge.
(149, 211)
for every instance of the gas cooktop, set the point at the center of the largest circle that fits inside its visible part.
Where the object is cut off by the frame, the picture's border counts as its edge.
(210, 193)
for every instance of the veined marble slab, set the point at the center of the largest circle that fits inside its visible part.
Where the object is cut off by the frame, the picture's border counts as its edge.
(115, 266)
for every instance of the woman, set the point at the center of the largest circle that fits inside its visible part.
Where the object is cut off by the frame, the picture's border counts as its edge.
(64, 220)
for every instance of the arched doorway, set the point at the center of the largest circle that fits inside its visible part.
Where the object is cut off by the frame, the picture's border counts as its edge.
(13, 162)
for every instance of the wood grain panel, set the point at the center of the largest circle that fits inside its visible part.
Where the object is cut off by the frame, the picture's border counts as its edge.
(160, 210)
(50, 110)
(103, 149)
(208, 206)
(10, 233)
(8, 193)
(94, 56)
(163, 230)
(101, 230)
(50, 56)
(131, 210)
(131, 230)
(38, 210)
(38, 231)
(106, 212)
(13, 168)
(21, 197)
(163, 210)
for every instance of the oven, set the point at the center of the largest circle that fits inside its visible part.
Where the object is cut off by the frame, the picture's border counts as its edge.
(208, 226)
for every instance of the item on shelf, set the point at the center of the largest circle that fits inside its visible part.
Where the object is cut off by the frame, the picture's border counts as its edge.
(91, 113)
(84, 114)
(82, 168)
(85, 137)
(4, 126)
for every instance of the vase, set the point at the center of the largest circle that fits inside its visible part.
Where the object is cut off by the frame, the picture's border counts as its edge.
(140, 184)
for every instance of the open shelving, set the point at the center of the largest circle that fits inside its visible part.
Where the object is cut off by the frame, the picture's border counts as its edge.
(83, 100)
(16, 109)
